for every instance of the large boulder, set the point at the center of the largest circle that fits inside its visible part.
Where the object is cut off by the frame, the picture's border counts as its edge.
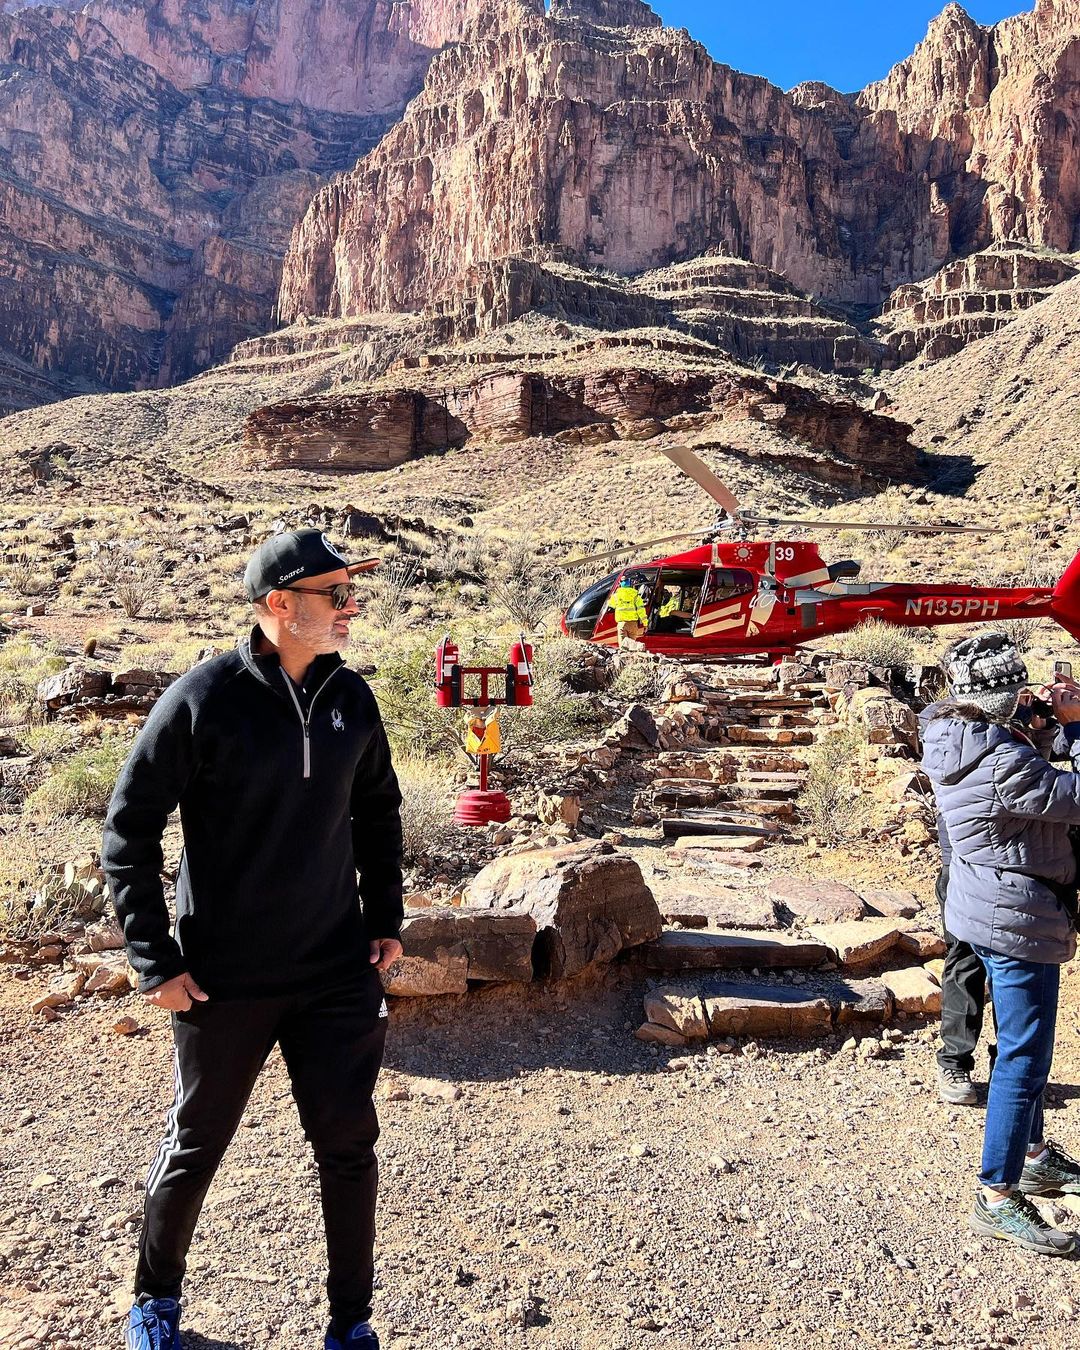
(885, 719)
(76, 684)
(445, 948)
(588, 902)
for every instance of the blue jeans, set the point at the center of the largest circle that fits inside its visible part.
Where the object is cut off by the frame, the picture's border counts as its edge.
(1025, 996)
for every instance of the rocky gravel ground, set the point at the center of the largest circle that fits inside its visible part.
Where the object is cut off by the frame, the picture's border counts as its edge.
(547, 1181)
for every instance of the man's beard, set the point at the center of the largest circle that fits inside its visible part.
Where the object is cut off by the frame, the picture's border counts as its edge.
(316, 633)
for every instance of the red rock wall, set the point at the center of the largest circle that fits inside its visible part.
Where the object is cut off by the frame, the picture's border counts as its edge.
(350, 56)
(143, 228)
(997, 108)
(634, 149)
(373, 430)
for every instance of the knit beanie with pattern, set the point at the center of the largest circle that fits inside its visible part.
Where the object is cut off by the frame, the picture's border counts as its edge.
(987, 671)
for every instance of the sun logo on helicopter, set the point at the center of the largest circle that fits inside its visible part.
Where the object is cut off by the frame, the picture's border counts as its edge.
(743, 553)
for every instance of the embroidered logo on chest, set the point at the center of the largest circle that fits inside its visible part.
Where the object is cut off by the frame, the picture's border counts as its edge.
(336, 720)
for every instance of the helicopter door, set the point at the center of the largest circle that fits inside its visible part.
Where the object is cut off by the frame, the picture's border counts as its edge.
(725, 602)
(675, 602)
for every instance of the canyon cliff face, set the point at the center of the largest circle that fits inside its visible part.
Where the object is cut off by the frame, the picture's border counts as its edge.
(349, 56)
(154, 160)
(158, 158)
(995, 113)
(632, 148)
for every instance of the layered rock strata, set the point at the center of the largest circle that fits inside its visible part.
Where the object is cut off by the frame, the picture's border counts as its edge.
(143, 227)
(381, 428)
(633, 149)
(968, 299)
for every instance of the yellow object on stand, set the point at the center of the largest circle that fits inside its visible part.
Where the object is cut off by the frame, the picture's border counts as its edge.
(482, 736)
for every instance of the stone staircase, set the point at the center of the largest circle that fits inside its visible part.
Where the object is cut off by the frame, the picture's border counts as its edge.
(748, 949)
(743, 784)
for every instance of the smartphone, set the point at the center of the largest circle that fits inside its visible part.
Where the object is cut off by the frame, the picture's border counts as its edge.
(1063, 670)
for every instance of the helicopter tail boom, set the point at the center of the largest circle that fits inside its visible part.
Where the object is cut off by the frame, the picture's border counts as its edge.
(1065, 604)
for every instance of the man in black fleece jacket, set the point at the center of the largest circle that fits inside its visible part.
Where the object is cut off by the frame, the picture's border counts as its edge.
(277, 758)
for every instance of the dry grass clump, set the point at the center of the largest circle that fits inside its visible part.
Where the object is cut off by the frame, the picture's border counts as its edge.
(81, 783)
(427, 804)
(390, 590)
(641, 678)
(23, 665)
(31, 857)
(879, 644)
(829, 804)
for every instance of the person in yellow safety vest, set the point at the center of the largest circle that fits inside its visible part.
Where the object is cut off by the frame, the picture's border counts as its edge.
(631, 616)
(671, 604)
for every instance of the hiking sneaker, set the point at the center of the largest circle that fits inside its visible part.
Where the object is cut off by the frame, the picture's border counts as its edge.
(1056, 1174)
(154, 1325)
(361, 1337)
(1017, 1220)
(955, 1086)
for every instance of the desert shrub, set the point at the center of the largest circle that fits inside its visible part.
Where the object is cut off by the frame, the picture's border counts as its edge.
(427, 803)
(556, 714)
(23, 665)
(405, 689)
(829, 804)
(82, 783)
(878, 644)
(640, 679)
(388, 598)
(530, 590)
(406, 692)
(24, 578)
(134, 581)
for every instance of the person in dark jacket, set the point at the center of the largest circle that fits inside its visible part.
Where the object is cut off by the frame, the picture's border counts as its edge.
(1011, 897)
(276, 756)
(963, 978)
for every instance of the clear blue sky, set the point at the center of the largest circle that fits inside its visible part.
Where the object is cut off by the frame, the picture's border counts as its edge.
(846, 43)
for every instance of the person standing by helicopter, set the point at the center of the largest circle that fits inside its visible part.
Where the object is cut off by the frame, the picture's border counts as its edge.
(1012, 897)
(631, 616)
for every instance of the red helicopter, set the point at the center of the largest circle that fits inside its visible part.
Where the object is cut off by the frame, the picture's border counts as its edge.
(732, 595)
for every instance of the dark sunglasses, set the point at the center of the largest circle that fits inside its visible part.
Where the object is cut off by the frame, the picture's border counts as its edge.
(340, 595)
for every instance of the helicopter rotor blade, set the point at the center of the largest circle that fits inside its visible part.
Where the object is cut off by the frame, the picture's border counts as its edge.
(694, 467)
(773, 522)
(634, 548)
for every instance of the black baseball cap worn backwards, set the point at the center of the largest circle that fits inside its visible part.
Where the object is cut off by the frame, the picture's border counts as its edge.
(286, 558)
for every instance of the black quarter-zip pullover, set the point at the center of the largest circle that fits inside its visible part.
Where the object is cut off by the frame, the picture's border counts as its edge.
(284, 797)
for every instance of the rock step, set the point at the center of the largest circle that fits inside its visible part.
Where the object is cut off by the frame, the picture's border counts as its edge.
(766, 700)
(782, 782)
(762, 787)
(737, 735)
(677, 827)
(691, 801)
(729, 949)
(680, 1014)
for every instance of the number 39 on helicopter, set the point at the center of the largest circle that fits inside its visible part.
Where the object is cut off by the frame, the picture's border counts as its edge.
(736, 594)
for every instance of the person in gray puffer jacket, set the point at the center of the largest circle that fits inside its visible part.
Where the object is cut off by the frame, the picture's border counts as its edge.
(1012, 897)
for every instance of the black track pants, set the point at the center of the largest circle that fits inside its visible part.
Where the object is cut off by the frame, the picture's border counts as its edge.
(963, 996)
(332, 1044)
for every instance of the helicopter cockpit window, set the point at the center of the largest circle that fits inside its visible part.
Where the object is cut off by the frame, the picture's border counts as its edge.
(582, 615)
(725, 583)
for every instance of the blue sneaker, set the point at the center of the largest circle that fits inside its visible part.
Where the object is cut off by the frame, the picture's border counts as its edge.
(154, 1325)
(361, 1337)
